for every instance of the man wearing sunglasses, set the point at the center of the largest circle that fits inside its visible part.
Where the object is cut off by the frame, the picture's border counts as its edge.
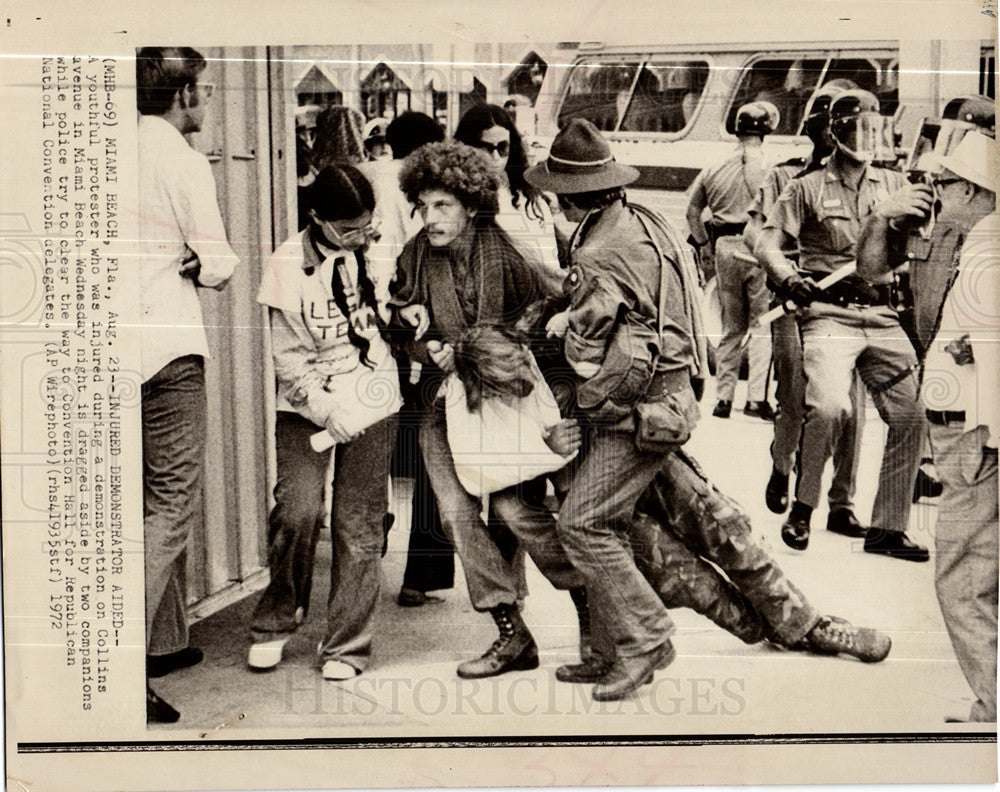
(851, 326)
(184, 247)
(955, 273)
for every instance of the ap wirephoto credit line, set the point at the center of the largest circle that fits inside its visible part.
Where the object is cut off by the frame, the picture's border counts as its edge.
(613, 397)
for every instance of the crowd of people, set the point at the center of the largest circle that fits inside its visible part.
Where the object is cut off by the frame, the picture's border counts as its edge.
(429, 319)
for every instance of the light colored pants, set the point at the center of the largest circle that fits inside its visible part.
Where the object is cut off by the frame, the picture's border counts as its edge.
(966, 556)
(744, 298)
(791, 394)
(836, 341)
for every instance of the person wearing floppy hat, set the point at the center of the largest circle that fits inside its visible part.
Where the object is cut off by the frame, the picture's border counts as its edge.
(726, 191)
(956, 285)
(851, 328)
(615, 266)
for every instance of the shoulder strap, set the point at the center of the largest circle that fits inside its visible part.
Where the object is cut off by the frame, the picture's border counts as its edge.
(683, 262)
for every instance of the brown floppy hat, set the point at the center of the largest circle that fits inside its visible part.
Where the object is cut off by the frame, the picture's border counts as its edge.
(579, 161)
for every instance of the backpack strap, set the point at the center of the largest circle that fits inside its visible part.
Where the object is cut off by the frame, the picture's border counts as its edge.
(683, 263)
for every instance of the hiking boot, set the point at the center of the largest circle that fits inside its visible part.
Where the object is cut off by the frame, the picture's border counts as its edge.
(838, 636)
(630, 673)
(592, 669)
(513, 650)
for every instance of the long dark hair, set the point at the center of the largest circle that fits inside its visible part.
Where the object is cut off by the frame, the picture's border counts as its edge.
(478, 119)
(341, 192)
(493, 362)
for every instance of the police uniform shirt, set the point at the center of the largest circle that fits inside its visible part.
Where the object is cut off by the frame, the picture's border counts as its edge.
(729, 188)
(825, 213)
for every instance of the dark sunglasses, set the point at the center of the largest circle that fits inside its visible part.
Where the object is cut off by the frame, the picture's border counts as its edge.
(502, 148)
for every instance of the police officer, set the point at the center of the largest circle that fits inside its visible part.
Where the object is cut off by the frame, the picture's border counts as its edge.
(954, 273)
(849, 326)
(727, 190)
(787, 348)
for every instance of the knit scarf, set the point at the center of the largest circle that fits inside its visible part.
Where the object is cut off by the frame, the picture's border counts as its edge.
(429, 280)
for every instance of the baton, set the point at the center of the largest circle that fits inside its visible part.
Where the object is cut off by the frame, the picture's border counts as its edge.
(789, 305)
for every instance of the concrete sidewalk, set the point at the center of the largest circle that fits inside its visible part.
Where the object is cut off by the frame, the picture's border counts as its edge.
(716, 684)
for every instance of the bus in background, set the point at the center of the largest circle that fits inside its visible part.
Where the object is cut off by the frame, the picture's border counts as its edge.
(669, 110)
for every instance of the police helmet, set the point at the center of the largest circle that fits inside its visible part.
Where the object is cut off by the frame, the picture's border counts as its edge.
(757, 118)
(851, 104)
(975, 110)
(860, 131)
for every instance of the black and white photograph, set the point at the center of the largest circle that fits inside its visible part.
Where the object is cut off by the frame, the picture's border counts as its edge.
(561, 396)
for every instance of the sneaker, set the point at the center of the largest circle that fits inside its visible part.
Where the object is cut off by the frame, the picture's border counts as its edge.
(776, 492)
(338, 671)
(265, 655)
(833, 635)
(759, 409)
(723, 409)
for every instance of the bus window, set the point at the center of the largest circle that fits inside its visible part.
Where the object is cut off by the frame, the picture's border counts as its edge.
(787, 83)
(665, 96)
(598, 92)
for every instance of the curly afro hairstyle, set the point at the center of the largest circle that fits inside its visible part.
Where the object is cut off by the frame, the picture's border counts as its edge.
(455, 168)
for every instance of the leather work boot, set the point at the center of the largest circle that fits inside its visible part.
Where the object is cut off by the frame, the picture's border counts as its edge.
(838, 636)
(514, 650)
(631, 673)
(592, 669)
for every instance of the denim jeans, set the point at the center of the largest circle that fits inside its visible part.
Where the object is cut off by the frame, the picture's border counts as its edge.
(173, 468)
(791, 393)
(492, 578)
(835, 342)
(360, 499)
(966, 565)
(600, 503)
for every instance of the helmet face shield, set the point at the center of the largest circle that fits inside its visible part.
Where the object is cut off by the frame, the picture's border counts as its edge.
(866, 137)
